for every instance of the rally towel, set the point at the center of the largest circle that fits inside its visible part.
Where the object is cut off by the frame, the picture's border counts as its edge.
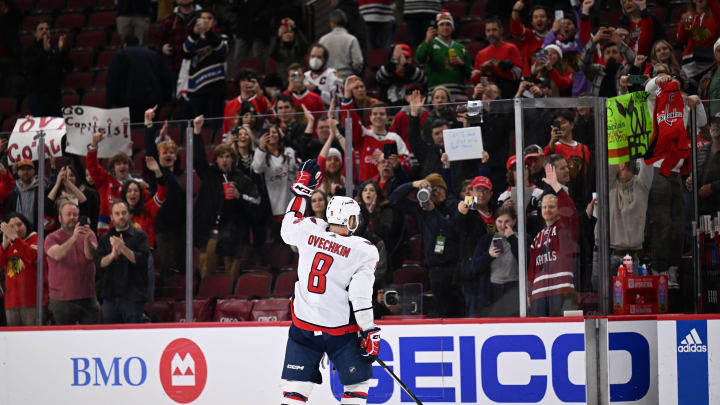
(669, 140)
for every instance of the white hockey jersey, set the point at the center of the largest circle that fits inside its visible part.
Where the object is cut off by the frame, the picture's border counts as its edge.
(333, 271)
(328, 82)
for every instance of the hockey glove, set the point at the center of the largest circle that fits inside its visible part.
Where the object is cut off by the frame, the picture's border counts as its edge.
(308, 178)
(370, 342)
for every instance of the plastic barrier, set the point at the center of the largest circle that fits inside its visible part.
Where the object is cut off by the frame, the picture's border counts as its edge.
(650, 360)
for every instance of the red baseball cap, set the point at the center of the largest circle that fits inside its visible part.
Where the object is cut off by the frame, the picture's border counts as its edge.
(405, 49)
(481, 181)
(510, 162)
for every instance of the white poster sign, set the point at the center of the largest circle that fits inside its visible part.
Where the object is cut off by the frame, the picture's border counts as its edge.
(23, 142)
(83, 121)
(463, 143)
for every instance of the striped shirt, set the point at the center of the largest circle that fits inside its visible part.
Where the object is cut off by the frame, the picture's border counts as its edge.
(422, 6)
(379, 11)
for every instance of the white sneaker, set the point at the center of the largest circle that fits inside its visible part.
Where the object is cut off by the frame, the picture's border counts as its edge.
(673, 277)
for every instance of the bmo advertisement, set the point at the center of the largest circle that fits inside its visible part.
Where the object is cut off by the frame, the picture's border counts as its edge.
(651, 361)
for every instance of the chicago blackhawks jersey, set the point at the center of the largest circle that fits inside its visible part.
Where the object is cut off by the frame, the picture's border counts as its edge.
(334, 271)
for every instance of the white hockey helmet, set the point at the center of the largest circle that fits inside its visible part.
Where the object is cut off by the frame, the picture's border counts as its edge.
(340, 209)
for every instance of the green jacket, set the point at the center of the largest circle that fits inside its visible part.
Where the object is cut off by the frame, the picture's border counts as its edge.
(437, 65)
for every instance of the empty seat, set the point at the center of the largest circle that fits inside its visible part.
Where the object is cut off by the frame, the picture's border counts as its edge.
(160, 310)
(70, 21)
(26, 40)
(661, 13)
(8, 106)
(472, 31)
(202, 310)
(137, 136)
(477, 9)
(232, 310)
(95, 99)
(277, 255)
(25, 5)
(377, 58)
(103, 19)
(414, 251)
(100, 79)
(271, 310)
(8, 124)
(50, 5)
(30, 21)
(82, 59)
(413, 274)
(215, 286)
(106, 3)
(70, 99)
(80, 4)
(285, 284)
(401, 35)
(458, 9)
(174, 287)
(81, 80)
(255, 284)
(105, 58)
(91, 39)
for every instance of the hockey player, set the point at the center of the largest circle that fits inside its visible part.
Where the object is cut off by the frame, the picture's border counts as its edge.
(332, 304)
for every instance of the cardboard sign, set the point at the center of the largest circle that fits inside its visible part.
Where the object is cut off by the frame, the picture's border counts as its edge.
(23, 142)
(629, 127)
(82, 122)
(463, 143)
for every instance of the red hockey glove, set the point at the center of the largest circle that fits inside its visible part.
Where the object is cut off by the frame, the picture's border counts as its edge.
(370, 342)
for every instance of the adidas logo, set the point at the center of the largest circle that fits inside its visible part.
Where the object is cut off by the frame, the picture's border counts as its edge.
(692, 343)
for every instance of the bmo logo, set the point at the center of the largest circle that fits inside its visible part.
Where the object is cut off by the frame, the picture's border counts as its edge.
(183, 370)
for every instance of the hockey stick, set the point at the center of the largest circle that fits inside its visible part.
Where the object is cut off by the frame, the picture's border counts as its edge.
(406, 389)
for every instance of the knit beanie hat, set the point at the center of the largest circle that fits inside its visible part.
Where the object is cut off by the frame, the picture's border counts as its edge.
(436, 180)
(445, 16)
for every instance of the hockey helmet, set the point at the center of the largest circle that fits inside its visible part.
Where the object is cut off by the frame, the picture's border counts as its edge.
(340, 209)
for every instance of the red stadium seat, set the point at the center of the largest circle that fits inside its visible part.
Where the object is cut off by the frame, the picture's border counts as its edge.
(414, 248)
(103, 19)
(232, 310)
(25, 108)
(80, 4)
(95, 99)
(30, 22)
(160, 310)
(174, 288)
(473, 48)
(82, 58)
(202, 310)
(477, 10)
(413, 274)
(138, 142)
(107, 4)
(70, 21)
(285, 284)
(100, 79)
(255, 284)
(92, 38)
(277, 255)
(8, 106)
(411, 228)
(472, 31)
(70, 99)
(458, 9)
(611, 18)
(26, 40)
(115, 39)
(215, 286)
(50, 5)
(26, 6)
(271, 310)
(677, 12)
(9, 124)
(105, 58)
(80, 80)
(377, 58)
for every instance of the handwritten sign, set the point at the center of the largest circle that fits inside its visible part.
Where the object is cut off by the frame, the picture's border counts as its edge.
(23, 142)
(82, 122)
(629, 127)
(463, 143)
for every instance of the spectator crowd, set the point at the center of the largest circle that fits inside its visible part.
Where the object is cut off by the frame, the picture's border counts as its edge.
(262, 88)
